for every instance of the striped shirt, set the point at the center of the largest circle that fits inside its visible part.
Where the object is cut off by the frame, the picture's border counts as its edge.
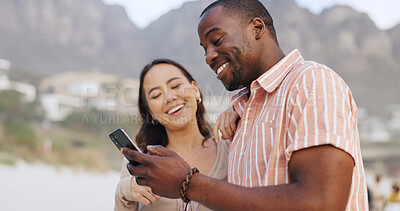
(295, 105)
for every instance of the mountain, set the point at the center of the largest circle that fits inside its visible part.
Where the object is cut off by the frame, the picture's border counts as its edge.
(59, 35)
(394, 34)
(51, 36)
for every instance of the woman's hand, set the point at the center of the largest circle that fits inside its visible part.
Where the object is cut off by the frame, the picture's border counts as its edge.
(142, 194)
(226, 124)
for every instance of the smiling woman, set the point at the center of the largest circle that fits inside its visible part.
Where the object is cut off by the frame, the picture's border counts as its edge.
(164, 86)
(173, 116)
(171, 97)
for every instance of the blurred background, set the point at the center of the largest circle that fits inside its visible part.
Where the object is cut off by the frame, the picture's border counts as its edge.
(69, 76)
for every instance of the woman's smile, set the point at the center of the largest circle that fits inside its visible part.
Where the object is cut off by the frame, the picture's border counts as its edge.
(176, 110)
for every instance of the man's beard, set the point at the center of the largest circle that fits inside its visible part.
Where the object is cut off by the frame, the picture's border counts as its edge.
(234, 84)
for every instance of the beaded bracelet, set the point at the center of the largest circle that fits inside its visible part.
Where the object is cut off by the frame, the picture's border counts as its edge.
(185, 184)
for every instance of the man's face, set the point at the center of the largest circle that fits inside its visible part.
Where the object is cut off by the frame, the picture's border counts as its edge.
(226, 43)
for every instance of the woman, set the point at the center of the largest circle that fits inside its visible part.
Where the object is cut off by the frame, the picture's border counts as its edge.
(173, 115)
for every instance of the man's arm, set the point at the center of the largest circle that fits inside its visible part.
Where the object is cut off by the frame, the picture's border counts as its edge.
(320, 179)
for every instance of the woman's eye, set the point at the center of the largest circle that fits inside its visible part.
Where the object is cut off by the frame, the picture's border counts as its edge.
(175, 86)
(155, 96)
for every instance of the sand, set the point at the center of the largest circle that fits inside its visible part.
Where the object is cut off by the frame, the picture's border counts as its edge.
(43, 187)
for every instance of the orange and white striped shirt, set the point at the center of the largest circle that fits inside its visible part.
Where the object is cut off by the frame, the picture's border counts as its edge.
(295, 105)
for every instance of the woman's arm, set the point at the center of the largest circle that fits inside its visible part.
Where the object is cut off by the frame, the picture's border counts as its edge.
(226, 124)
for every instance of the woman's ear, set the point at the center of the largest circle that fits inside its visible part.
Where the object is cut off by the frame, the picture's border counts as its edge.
(258, 27)
(196, 89)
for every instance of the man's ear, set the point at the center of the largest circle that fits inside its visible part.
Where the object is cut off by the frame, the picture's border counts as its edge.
(258, 27)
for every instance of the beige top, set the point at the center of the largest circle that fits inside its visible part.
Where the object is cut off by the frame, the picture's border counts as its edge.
(124, 201)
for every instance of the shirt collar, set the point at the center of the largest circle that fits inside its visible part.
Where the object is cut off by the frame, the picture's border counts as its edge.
(269, 81)
(272, 78)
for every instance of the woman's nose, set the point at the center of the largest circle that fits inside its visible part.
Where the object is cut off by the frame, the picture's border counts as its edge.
(169, 97)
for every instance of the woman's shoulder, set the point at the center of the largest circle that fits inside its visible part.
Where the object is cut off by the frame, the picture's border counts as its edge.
(220, 167)
(223, 146)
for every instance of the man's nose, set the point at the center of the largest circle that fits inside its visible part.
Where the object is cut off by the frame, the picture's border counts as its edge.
(211, 54)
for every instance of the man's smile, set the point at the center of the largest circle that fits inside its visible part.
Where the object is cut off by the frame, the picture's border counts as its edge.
(221, 68)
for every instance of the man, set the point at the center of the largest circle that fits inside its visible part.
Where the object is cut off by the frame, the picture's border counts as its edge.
(296, 146)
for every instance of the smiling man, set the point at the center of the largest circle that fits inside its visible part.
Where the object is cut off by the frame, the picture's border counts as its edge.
(296, 146)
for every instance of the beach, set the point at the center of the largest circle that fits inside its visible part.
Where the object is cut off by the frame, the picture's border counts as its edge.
(43, 187)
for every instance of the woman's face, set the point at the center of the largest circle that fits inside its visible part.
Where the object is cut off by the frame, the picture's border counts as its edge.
(171, 98)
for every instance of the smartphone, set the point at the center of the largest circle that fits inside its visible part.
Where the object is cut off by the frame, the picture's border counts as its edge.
(121, 139)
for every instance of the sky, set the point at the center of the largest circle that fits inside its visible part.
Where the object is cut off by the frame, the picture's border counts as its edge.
(383, 12)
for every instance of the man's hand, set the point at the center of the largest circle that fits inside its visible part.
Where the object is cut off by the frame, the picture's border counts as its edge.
(163, 170)
(226, 124)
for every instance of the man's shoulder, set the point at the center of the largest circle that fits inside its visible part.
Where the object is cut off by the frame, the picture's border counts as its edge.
(311, 75)
(310, 70)
(310, 66)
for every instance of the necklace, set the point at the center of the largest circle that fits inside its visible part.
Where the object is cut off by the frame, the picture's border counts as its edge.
(195, 152)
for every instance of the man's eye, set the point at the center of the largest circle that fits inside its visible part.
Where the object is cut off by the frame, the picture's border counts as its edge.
(217, 42)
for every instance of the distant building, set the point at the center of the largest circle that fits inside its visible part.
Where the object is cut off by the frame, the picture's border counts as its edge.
(372, 128)
(58, 106)
(394, 122)
(66, 92)
(28, 91)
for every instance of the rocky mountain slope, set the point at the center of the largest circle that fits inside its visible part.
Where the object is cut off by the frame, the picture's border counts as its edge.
(51, 36)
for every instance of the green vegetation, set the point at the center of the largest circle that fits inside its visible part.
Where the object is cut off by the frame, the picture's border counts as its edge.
(80, 141)
(17, 135)
(7, 159)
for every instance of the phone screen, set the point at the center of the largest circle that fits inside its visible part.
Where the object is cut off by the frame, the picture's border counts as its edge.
(121, 139)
